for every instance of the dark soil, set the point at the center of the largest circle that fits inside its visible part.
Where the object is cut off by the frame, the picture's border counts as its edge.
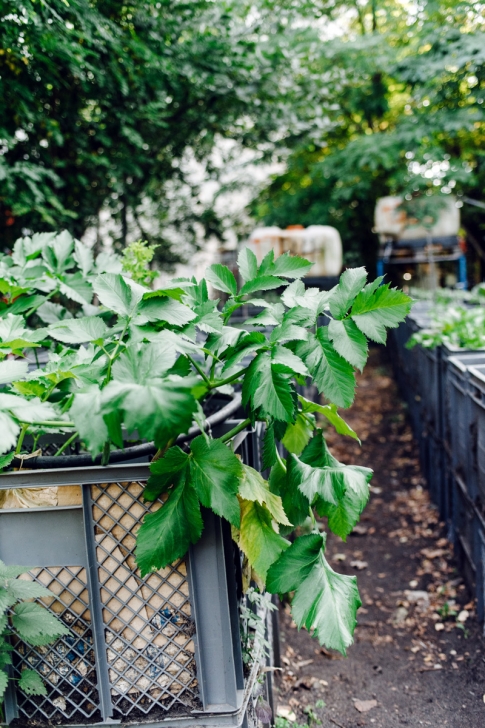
(420, 666)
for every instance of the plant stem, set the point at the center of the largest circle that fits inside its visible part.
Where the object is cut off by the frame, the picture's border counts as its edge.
(162, 450)
(106, 453)
(280, 461)
(50, 423)
(66, 444)
(38, 305)
(24, 429)
(200, 370)
(228, 380)
(239, 428)
(116, 349)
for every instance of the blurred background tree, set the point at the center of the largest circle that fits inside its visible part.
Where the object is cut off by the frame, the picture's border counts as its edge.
(101, 99)
(405, 114)
(104, 101)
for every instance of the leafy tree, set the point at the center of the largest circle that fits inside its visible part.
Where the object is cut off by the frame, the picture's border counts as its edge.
(101, 102)
(405, 115)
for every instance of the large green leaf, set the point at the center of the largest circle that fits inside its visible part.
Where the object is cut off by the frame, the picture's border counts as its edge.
(83, 257)
(31, 683)
(295, 564)
(36, 625)
(258, 539)
(298, 433)
(214, 474)
(114, 292)
(76, 287)
(160, 410)
(164, 472)
(244, 346)
(262, 283)
(12, 369)
(268, 389)
(86, 414)
(253, 487)
(291, 266)
(282, 355)
(295, 503)
(166, 535)
(327, 603)
(324, 601)
(80, 330)
(20, 589)
(222, 278)
(164, 309)
(330, 412)
(374, 311)
(349, 342)
(247, 264)
(331, 373)
(3, 683)
(316, 482)
(140, 364)
(350, 284)
(338, 491)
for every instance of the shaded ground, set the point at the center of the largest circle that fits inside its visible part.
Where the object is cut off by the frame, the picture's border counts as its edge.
(419, 657)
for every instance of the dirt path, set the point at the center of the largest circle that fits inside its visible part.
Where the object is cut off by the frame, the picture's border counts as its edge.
(418, 658)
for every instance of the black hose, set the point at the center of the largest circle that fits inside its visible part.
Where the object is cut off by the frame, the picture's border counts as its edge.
(130, 453)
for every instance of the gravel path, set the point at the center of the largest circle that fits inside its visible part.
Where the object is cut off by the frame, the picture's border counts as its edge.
(419, 654)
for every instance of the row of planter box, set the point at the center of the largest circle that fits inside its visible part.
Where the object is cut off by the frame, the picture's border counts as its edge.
(445, 392)
(160, 650)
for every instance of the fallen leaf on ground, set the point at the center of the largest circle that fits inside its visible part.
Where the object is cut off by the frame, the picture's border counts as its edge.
(286, 712)
(304, 663)
(356, 564)
(363, 706)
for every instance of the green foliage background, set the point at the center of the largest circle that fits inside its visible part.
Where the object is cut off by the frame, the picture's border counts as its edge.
(103, 100)
(405, 85)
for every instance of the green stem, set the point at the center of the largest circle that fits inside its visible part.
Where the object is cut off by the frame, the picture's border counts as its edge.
(213, 369)
(162, 450)
(106, 453)
(38, 305)
(116, 349)
(24, 429)
(280, 461)
(50, 423)
(200, 370)
(228, 380)
(66, 444)
(239, 428)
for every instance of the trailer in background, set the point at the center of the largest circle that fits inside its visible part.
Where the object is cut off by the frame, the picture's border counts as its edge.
(427, 251)
(320, 244)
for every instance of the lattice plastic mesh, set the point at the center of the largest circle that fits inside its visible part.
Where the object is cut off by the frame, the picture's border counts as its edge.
(67, 666)
(148, 625)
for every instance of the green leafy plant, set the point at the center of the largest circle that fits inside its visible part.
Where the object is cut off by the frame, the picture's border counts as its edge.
(143, 364)
(21, 618)
(136, 259)
(455, 326)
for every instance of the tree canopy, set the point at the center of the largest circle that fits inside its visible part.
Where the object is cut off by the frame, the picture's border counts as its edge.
(101, 99)
(405, 114)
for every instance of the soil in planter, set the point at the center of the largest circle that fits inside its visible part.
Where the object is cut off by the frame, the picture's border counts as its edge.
(414, 662)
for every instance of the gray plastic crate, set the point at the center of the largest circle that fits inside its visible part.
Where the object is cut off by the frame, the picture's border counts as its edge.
(164, 649)
(477, 395)
(464, 529)
(460, 417)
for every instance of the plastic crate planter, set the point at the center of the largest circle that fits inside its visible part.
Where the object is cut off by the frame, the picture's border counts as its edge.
(138, 373)
(139, 650)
